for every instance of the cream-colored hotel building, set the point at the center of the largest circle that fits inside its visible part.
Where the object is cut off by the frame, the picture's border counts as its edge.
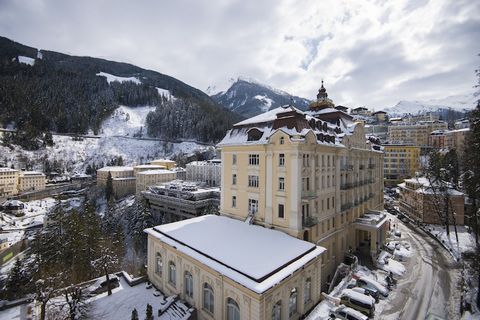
(310, 175)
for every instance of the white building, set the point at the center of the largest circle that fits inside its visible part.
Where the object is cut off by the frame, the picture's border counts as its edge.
(209, 171)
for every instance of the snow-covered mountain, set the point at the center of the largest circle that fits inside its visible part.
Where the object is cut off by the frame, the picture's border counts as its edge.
(250, 98)
(457, 102)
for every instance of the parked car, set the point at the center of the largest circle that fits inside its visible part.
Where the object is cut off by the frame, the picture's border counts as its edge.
(346, 313)
(365, 290)
(364, 282)
(358, 301)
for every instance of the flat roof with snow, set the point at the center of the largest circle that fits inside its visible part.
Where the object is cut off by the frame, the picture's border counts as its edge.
(118, 168)
(256, 257)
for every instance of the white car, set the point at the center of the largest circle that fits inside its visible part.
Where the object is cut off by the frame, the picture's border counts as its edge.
(369, 283)
(346, 313)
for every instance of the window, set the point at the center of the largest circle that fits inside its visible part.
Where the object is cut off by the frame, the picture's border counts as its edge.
(306, 160)
(234, 179)
(282, 140)
(253, 181)
(307, 291)
(234, 159)
(208, 299)
(328, 203)
(281, 159)
(234, 201)
(253, 159)
(277, 311)
(252, 206)
(305, 184)
(292, 302)
(158, 264)
(172, 273)
(333, 202)
(281, 183)
(233, 311)
(281, 211)
(188, 284)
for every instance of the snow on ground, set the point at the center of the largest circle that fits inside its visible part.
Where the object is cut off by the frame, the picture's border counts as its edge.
(466, 240)
(166, 93)
(126, 121)
(111, 78)
(35, 212)
(26, 60)
(125, 298)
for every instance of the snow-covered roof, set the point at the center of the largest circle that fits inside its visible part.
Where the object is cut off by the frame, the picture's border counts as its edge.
(149, 166)
(32, 173)
(256, 257)
(162, 160)
(7, 170)
(153, 172)
(267, 116)
(118, 168)
(425, 186)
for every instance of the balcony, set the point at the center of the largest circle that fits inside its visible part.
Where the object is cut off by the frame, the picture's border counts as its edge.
(309, 194)
(346, 167)
(371, 166)
(361, 167)
(346, 206)
(308, 222)
(346, 186)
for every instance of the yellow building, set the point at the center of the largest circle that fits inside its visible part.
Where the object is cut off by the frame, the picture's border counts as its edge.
(401, 161)
(417, 133)
(229, 269)
(30, 181)
(115, 172)
(123, 180)
(8, 182)
(149, 178)
(168, 164)
(312, 175)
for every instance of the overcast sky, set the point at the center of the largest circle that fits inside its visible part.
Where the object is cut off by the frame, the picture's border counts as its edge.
(371, 53)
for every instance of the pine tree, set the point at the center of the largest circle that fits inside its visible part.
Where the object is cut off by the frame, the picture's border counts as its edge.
(106, 262)
(109, 187)
(13, 287)
(134, 314)
(149, 312)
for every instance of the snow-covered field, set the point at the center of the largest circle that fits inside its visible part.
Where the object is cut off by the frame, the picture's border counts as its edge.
(126, 121)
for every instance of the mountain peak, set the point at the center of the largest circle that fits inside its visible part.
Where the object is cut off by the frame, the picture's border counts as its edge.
(249, 97)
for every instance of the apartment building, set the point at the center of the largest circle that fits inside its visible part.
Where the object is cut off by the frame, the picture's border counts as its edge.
(451, 139)
(8, 182)
(208, 172)
(417, 133)
(401, 161)
(312, 175)
(31, 181)
(145, 179)
(180, 200)
(425, 204)
(229, 269)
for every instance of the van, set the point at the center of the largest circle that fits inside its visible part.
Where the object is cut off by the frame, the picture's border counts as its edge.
(358, 301)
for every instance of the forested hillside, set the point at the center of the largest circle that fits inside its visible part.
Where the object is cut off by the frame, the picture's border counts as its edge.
(42, 91)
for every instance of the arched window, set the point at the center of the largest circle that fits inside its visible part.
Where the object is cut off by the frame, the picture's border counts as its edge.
(292, 303)
(172, 273)
(233, 311)
(277, 311)
(188, 284)
(158, 264)
(208, 298)
(307, 290)
(282, 140)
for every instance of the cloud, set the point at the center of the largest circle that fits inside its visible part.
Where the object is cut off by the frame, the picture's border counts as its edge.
(369, 53)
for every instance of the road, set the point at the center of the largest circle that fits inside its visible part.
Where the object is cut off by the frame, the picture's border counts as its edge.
(429, 287)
